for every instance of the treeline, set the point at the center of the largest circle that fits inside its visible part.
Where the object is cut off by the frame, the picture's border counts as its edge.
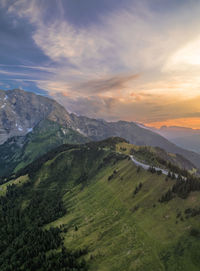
(144, 152)
(112, 158)
(109, 142)
(25, 245)
(37, 164)
(81, 149)
(181, 188)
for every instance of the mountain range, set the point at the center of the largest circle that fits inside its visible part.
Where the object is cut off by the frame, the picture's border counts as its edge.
(184, 137)
(21, 112)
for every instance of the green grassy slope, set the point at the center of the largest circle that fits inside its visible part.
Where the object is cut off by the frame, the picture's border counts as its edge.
(126, 232)
(18, 152)
(120, 229)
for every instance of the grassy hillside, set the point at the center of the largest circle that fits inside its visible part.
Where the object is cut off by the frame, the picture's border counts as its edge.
(18, 152)
(89, 193)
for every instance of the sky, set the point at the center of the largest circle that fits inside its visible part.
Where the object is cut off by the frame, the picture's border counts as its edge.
(110, 59)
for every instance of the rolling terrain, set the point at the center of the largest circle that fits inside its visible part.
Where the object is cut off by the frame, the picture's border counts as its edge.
(92, 200)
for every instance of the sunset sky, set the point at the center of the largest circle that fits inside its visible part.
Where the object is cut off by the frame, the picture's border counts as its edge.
(132, 60)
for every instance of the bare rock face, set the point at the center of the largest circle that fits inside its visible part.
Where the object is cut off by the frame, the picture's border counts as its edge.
(20, 111)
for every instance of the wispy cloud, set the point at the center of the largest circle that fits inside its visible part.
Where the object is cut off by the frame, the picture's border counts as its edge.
(109, 84)
(38, 68)
(97, 66)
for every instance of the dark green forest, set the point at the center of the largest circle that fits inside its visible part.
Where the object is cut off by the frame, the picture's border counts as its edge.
(25, 244)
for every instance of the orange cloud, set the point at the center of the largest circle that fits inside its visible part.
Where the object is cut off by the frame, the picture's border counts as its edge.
(183, 122)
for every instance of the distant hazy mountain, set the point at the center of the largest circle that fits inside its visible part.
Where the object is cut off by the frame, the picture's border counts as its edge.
(21, 111)
(186, 138)
(188, 142)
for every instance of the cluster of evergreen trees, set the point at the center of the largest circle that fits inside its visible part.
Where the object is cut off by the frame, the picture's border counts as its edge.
(167, 196)
(182, 188)
(137, 189)
(112, 175)
(153, 170)
(25, 245)
(113, 158)
(172, 167)
(150, 157)
(171, 175)
(190, 212)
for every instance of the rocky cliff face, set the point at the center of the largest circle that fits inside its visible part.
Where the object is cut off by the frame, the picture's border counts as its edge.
(20, 111)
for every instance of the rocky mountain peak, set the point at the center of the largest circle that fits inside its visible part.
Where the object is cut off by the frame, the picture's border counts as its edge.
(20, 111)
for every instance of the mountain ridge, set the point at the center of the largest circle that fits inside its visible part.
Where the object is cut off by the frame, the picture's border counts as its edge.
(183, 137)
(92, 128)
(21, 111)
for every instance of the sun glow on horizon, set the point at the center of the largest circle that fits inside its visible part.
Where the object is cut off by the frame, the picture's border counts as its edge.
(193, 123)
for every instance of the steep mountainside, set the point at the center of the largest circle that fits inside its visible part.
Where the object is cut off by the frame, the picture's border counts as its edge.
(88, 207)
(20, 111)
(19, 151)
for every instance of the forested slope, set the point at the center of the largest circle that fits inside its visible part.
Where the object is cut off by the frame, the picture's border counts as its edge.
(89, 207)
